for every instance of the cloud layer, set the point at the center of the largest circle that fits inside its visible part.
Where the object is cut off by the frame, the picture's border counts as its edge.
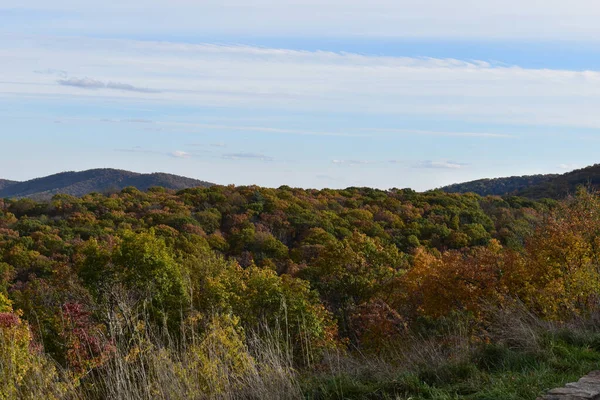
(301, 81)
(531, 19)
(319, 113)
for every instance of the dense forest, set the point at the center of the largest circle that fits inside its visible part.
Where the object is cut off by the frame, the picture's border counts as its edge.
(254, 293)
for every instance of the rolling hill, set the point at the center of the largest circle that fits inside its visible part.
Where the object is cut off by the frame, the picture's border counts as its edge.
(94, 180)
(499, 186)
(6, 183)
(534, 186)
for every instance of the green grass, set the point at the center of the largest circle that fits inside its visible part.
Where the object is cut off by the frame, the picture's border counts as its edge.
(492, 372)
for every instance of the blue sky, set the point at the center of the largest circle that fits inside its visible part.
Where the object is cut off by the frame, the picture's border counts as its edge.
(326, 93)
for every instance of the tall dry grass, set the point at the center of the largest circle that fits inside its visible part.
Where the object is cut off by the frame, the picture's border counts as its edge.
(220, 361)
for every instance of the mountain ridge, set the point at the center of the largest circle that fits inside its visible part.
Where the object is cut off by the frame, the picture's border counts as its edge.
(4, 183)
(554, 186)
(80, 183)
(498, 186)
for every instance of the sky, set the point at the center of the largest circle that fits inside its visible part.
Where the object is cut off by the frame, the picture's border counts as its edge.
(304, 93)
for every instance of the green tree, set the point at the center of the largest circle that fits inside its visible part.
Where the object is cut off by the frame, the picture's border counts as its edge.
(352, 272)
(147, 266)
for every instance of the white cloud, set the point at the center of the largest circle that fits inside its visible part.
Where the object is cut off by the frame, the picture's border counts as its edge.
(530, 19)
(300, 81)
(441, 164)
(180, 154)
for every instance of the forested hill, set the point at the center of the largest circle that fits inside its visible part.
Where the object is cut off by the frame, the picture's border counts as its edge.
(94, 180)
(499, 186)
(6, 183)
(239, 292)
(534, 186)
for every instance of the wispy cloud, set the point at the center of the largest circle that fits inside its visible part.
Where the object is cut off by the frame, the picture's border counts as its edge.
(247, 156)
(189, 126)
(86, 83)
(126, 120)
(144, 150)
(89, 83)
(551, 19)
(129, 88)
(137, 121)
(351, 162)
(441, 164)
(139, 149)
(251, 128)
(439, 133)
(181, 154)
(179, 74)
(50, 71)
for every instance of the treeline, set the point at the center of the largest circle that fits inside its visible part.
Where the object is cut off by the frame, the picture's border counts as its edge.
(221, 281)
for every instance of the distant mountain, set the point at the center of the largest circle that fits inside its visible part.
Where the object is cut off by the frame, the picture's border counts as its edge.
(534, 186)
(499, 186)
(94, 180)
(6, 183)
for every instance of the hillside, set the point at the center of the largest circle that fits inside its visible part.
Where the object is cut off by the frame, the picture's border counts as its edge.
(6, 183)
(533, 186)
(293, 293)
(499, 186)
(563, 185)
(94, 180)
